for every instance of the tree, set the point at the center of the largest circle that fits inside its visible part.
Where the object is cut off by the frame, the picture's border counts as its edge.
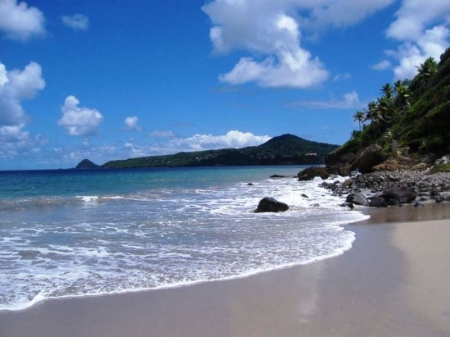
(359, 117)
(424, 73)
(403, 96)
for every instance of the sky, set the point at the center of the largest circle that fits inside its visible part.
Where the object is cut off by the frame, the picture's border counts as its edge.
(116, 79)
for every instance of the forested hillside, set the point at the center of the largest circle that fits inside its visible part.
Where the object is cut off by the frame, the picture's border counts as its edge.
(408, 126)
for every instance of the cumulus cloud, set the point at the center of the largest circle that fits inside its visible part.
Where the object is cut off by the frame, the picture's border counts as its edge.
(421, 27)
(232, 139)
(79, 121)
(15, 86)
(132, 124)
(20, 22)
(76, 22)
(272, 30)
(349, 100)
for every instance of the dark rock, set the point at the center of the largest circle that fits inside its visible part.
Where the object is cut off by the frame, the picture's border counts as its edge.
(312, 172)
(402, 193)
(304, 196)
(271, 205)
(368, 158)
(439, 199)
(250, 184)
(394, 202)
(423, 199)
(378, 202)
(282, 176)
(418, 204)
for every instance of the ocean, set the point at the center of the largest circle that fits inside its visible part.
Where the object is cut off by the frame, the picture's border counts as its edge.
(66, 233)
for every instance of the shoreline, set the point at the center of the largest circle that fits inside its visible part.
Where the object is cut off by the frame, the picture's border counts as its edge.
(375, 288)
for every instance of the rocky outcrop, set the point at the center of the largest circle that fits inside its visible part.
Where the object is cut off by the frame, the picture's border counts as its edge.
(312, 172)
(395, 188)
(365, 160)
(271, 205)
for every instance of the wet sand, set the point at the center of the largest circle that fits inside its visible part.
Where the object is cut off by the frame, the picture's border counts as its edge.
(393, 282)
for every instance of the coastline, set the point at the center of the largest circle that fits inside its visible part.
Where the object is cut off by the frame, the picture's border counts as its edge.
(392, 282)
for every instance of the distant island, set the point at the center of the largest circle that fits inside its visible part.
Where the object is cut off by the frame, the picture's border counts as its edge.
(282, 150)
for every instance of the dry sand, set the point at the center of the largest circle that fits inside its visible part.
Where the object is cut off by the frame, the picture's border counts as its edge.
(395, 281)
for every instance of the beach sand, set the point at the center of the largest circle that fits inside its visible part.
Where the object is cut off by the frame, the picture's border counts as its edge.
(395, 281)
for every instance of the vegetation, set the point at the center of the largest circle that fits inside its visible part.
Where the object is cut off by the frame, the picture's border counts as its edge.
(409, 114)
(283, 150)
(440, 168)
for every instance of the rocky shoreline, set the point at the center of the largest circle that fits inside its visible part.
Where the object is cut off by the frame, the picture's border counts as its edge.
(386, 188)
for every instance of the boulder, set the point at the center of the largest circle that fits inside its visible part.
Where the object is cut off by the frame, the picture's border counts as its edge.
(403, 194)
(378, 202)
(312, 172)
(271, 205)
(360, 199)
(366, 159)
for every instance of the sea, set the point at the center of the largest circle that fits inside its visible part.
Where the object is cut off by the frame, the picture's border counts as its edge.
(69, 233)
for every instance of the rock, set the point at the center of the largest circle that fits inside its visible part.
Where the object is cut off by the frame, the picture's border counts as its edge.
(304, 196)
(439, 199)
(360, 199)
(368, 158)
(378, 202)
(418, 204)
(401, 193)
(250, 184)
(312, 172)
(281, 176)
(271, 205)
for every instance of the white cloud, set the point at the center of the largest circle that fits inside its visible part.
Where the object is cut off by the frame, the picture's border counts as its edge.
(432, 43)
(162, 134)
(415, 16)
(15, 86)
(79, 121)
(132, 124)
(272, 30)
(382, 65)
(76, 22)
(20, 22)
(349, 100)
(232, 139)
(422, 28)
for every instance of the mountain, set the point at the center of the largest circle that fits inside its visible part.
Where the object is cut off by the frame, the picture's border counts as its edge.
(282, 150)
(86, 164)
(408, 127)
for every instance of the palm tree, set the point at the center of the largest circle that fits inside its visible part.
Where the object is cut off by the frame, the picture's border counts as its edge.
(403, 96)
(359, 117)
(387, 91)
(425, 71)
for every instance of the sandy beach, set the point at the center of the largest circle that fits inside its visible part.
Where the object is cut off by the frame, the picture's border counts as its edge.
(393, 282)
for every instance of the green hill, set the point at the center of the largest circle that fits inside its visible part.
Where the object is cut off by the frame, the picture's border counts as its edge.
(407, 127)
(283, 150)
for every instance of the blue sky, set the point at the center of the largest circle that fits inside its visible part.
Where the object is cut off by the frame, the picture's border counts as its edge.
(114, 79)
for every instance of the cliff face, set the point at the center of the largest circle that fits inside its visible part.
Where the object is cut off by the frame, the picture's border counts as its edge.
(407, 128)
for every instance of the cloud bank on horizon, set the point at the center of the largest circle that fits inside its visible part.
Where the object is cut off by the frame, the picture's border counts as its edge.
(267, 44)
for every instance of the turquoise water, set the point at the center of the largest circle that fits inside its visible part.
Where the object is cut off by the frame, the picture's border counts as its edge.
(79, 233)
